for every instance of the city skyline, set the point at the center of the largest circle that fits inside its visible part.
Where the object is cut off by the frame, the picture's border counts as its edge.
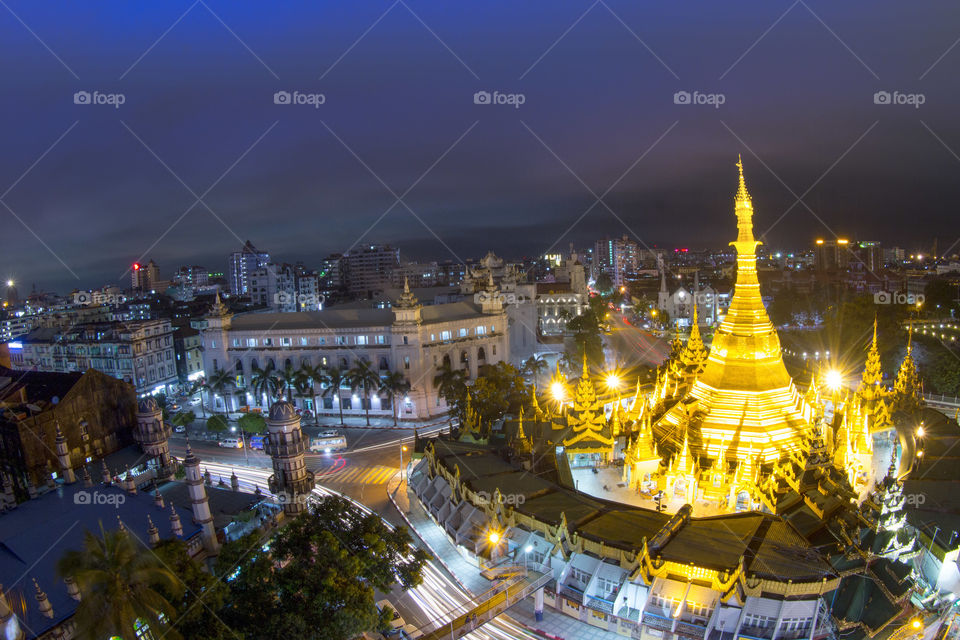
(197, 110)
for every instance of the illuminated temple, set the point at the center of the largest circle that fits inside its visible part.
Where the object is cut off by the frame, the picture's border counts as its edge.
(769, 522)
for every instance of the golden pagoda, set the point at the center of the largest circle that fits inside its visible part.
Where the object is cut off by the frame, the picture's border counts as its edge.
(744, 401)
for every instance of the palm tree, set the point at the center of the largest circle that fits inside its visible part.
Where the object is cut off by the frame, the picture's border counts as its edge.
(362, 376)
(315, 376)
(395, 384)
(201, 386)
(120, 583)
(286, 381)
(334, 378)
(264, 382)
(302, 385)
(220, 381)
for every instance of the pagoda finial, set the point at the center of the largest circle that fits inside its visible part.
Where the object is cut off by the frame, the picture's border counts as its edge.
(910, 338)
(406, 284)
(586, 373)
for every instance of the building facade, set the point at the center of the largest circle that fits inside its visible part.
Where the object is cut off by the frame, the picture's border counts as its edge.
(241, 264)
(141, 353)
(366, 270)
(409, 338)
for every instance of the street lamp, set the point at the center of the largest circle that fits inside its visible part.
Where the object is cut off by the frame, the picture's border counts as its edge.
(834, 380)
(403, 448)
(613, 381)
(558, 391)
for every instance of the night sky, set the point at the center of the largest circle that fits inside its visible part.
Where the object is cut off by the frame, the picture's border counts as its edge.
(100, 187)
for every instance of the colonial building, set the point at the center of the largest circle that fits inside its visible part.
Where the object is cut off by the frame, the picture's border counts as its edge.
(408, 337)
(139, 352)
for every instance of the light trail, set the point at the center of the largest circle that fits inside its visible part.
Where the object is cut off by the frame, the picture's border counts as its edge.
(437, 597)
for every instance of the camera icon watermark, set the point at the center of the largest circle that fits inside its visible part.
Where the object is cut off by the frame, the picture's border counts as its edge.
(898, 297)
(298, 98)
(87, 298)
(910, 99)
(285, 497)
(512, 99)
(98, 498)
(97, 98)
(696, 98)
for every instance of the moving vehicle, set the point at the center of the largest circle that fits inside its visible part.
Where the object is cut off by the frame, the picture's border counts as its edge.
(328, 444)
(329, 433)
(396, 622)
(256, 442)
(231, 443)
(180, 429)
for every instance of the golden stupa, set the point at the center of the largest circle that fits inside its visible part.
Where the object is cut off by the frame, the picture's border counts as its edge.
(744, 404)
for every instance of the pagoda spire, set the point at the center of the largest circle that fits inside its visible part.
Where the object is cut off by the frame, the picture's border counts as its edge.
(872, 373)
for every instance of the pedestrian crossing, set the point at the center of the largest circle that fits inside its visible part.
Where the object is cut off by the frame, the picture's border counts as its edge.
(358, 475)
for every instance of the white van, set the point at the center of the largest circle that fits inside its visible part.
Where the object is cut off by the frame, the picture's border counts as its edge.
(231, 443)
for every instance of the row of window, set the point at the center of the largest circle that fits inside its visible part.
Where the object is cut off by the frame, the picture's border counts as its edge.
(305, 341)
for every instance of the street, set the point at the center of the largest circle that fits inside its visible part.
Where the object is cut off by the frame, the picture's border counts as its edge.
(635, 346)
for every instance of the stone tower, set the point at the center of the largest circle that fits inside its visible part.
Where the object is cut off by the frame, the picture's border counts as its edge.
(199, 502)
(63, 454)
(291, 482)
(152, 434)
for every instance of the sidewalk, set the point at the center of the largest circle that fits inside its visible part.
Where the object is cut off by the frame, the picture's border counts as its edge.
(467, 574)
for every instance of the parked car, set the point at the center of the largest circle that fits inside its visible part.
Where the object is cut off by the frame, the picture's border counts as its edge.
(231, 443)
(180, 429)
(396, 622)
(194, 400)
(329, 433)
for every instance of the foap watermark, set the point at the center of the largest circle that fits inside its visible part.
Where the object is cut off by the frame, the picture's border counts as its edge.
(697, 98)
(293, 498)
(896, 97)
(99, 498)
(915, 499)
(482, 297)
(898, 297)
(512, 99)
(512, 499)
(97, 98)
(300, 300)
(87, 298)
(299, 98)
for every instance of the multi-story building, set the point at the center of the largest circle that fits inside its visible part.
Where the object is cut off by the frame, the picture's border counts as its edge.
(407, 337)
(286, 288)
(832, 255)
(144, 277)
(14, 326)
(366, 270)
(242, 263)
(869, 255)
(619, 258)
(193, 277)
(141, 353)
(188, 348)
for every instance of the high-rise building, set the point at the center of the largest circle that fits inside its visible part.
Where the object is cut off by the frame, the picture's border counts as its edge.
(286, 288)
(242, 264)
(619, 258)
(192, 276)
(144, 277)
(832, 255)
(868, 254)
(367, 269)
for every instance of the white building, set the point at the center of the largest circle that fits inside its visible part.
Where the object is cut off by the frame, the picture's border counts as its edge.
(242, 264)
(408, 337)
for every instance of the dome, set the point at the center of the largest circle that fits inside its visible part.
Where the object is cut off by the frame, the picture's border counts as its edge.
(283, 411)
(148, 405)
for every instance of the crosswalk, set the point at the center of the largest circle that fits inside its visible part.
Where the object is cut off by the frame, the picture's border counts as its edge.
(358, 475)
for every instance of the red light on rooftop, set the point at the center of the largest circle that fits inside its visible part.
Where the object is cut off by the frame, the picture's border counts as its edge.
(136, 266)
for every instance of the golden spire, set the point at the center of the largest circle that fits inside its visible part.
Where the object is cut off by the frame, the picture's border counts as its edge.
(742, 194)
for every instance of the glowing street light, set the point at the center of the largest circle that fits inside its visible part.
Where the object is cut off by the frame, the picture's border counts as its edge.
(493, 537)
(920, 431)
(9, 283)
(915, 623)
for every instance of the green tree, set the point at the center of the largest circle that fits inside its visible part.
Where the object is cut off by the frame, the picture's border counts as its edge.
(220, 383)
(535, 366)
(217, 423)
(604, 283)
(287, 381)
(202, 597)
(451, 384)
(315, 376)
(252, 423)
(940, 296)
(264, 383)
(121, 587)
(334, 378)
(318, 579)
(395, 384)
(363, 377)
(587, 331)
(183, 418)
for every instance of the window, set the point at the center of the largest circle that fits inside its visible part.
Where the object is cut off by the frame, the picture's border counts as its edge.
(362, 340)
(213, 344)
(268, 342)
(444, 335)
(381, 340)
(304, 342)
(580, 575)
(236, 342)
(433, 337)
(481, 331)
(286, 342)
(251, 342)
(341, 339)
(406, 362)
(463, 333)
(321, 340)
